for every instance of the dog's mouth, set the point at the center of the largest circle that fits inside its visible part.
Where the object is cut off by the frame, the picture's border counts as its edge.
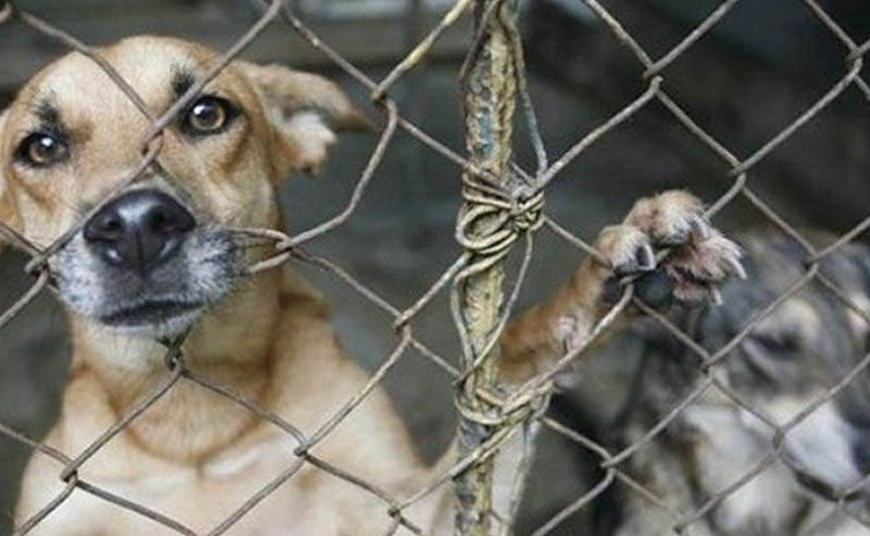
(151, 313)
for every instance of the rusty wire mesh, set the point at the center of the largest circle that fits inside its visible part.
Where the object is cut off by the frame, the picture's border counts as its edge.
(521, 216)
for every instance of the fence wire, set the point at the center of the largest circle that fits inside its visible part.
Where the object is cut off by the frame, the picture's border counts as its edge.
(506, 194)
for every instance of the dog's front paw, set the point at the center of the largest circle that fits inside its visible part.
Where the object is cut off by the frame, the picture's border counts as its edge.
(670, 251)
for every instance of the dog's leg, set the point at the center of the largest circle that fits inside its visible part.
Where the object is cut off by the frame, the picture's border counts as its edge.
(699, 259)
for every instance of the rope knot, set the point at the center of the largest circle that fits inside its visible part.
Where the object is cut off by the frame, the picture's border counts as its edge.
(496, 218)
(527, 205)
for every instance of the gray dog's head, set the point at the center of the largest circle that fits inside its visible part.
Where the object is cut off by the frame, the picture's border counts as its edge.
(809, 340)
(781, 388)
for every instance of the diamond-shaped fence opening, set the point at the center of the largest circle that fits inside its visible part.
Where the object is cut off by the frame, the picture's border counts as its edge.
(497, 228)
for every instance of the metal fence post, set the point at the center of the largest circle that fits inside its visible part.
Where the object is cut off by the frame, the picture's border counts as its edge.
(490, 101)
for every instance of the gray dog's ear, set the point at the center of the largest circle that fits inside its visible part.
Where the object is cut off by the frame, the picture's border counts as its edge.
(8, 212)
(306, 110)
(849, 268)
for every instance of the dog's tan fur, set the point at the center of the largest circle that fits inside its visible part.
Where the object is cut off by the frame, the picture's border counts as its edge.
(194, 455)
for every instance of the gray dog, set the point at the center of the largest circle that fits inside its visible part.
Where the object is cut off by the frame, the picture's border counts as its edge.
(796, 355)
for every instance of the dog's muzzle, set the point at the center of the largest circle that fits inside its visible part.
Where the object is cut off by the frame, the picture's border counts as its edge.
(139, 230)
(143, 262)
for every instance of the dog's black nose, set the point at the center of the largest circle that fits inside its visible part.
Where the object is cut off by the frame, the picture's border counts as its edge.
(139, 230)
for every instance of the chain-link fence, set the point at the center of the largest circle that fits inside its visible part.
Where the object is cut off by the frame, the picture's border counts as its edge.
(503, 210)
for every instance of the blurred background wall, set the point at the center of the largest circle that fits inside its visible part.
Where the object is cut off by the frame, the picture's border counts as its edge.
(758, 69)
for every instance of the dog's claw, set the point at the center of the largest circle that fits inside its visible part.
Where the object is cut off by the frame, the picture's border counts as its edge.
(646, 258)
(700, 228)
(737, 268)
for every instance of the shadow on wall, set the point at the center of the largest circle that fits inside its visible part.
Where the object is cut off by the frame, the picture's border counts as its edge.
(757, 70)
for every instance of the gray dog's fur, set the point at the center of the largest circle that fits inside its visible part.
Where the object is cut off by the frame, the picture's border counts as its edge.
(792, 359)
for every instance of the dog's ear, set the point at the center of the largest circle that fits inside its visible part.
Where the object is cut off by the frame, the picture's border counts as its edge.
(305, 111)
(8, 212)
(849, 269)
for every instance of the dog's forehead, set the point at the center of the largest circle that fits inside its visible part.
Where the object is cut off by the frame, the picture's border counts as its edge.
(152, 66)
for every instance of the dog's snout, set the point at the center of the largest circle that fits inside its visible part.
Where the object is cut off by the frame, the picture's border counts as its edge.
(139, 230)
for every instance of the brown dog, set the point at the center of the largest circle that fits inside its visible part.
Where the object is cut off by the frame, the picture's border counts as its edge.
(159, 259)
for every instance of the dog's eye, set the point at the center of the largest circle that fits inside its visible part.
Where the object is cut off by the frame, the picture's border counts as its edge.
(780, 343)
(208, 115)
(42, 150)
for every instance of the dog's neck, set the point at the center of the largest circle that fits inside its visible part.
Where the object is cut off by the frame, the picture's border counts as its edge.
(230, 345)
